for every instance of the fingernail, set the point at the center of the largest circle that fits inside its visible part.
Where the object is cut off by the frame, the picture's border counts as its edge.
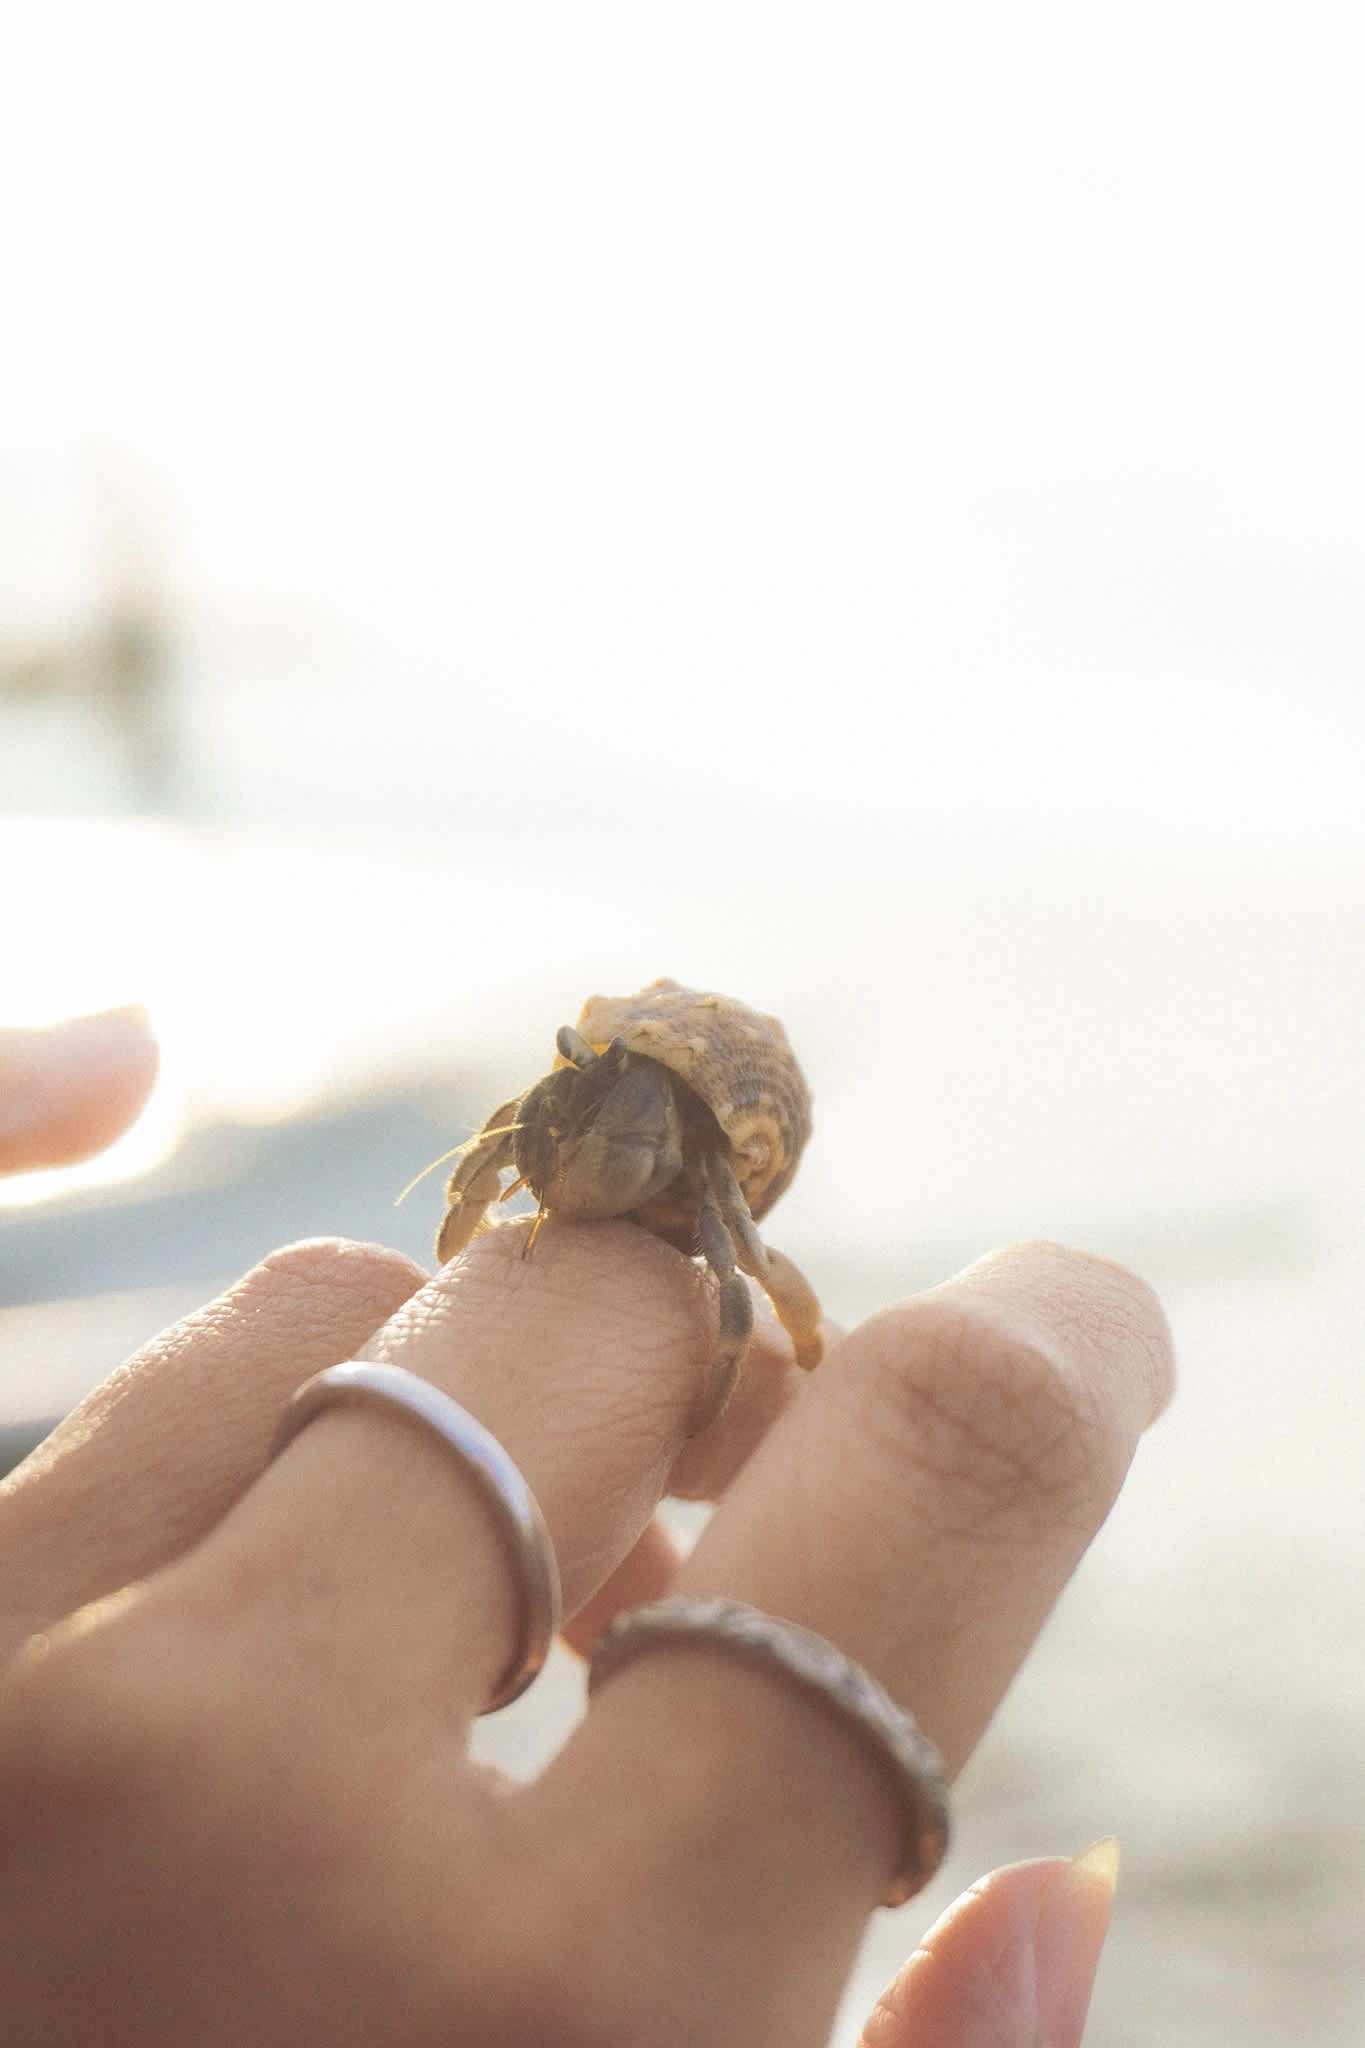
(1073, 1918)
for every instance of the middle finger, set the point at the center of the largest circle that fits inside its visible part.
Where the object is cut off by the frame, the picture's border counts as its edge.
(365, 1550)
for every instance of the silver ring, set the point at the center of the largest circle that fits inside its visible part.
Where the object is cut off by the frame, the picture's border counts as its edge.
(520, 1522)
(835, 1679)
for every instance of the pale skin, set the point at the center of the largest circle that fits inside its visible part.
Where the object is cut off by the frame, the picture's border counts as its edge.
(234, 1798)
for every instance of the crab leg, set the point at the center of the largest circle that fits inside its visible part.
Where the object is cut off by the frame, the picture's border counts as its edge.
(798, 1310)
(475, 1181)
(750, 1250)
(785, 1285)
(736, 1304)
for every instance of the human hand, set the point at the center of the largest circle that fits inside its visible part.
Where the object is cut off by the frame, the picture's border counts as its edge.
(236, 1804)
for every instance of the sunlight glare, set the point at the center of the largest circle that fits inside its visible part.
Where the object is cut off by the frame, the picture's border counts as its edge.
(273, 973)
(218, 949)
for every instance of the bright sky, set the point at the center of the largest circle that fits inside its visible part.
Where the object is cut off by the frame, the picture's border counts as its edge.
(920, 411)
(1033, 332)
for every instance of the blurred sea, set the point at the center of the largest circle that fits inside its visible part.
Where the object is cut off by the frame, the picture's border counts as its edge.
(1142, 1043)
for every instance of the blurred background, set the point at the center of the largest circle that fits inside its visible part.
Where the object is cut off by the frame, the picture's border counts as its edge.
(860, 507)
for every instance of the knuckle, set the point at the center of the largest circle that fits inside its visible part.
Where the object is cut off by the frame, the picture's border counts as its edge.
(340, 1265)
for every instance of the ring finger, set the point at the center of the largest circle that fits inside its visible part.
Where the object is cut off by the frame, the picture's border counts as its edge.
(922, 1506)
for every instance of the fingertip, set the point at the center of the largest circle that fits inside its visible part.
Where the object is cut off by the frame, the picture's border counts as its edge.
(68, 1090)
(628, 1310)
(1012, 1962)
(1073, 1919)
(1100, 1310)
(346, 1266)
(1094, 1325)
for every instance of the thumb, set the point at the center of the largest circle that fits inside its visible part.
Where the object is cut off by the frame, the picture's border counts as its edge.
(1011, 1963)
(70, 1089)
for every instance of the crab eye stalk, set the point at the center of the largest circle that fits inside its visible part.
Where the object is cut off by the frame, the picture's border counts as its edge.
(574, 1048)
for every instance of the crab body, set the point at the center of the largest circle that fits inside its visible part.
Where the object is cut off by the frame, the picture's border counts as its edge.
(682, 1111)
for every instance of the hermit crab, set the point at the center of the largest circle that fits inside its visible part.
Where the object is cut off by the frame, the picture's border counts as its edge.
(681, 1111)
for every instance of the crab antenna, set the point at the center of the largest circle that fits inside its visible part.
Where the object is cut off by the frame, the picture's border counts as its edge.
(453, 1153)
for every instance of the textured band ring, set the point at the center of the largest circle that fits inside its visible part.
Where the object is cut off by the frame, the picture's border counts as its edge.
(520, 1522)
(824, 1671)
